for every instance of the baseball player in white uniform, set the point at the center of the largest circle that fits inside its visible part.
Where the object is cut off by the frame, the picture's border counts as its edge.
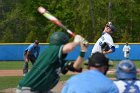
(126, 75)
(105, 43)
(126, 50)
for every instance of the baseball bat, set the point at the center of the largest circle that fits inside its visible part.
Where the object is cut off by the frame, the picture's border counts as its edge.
(53, 19)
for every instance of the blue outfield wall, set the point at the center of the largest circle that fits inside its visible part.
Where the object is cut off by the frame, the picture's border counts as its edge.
(9, 52)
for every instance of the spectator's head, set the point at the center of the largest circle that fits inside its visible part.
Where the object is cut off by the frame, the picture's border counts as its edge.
(99, 61)
(127, 43)
(59, 38)
(109, 28)
(36, 42)
(126, 70)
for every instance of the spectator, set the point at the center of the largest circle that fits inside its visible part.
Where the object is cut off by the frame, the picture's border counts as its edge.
(45, 73)
(105, 43)
(31, 53)
(126, 50)
(127, 81)
(93, 80)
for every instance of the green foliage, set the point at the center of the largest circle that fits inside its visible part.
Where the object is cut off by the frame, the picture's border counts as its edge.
(85, 17)
(8, 36)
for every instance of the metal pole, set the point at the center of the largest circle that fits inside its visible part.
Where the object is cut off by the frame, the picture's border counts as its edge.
(109, 10)
(91, 12)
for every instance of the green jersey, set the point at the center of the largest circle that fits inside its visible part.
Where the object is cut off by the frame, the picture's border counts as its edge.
(44, 75)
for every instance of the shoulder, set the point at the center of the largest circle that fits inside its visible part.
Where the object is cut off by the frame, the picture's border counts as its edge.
(120, 85)
(84, 75)
(107, 36)
(137, 82)
(54, 47)
(31, 45)
(119, 82)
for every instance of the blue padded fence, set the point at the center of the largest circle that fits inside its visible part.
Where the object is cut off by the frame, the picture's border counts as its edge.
(14, 52)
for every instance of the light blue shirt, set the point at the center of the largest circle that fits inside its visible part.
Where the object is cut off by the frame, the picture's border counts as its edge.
(91, 81)
(33, 50)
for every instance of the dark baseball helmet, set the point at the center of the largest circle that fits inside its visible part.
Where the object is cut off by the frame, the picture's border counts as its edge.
(98, 59)
(109, 24)
(126, 70)
(59, 38)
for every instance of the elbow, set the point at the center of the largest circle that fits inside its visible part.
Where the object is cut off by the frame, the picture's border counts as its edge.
(68, 49)
(71, 48)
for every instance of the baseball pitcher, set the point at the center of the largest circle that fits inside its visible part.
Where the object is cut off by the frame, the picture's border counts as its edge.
(105, 43)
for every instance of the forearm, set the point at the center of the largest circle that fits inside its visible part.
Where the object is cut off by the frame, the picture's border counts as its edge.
(107, 52)
(27, 54)
(69, 47)
(78, 63)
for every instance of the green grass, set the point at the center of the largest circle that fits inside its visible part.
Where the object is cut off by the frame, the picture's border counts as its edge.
(12, 81)
(137, 63)
(9, 82)
(12, 65)
(65, 77)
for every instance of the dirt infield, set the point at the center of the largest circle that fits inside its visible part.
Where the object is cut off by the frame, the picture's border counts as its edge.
(20, 72)
(10, 72)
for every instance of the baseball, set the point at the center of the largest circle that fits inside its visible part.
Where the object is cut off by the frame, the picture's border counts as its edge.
(41, 10)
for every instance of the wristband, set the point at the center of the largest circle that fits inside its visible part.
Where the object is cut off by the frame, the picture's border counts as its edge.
(82, 54)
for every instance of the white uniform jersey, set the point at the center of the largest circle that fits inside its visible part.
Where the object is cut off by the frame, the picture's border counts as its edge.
(126, 50)
(104, 38)
(122, 86)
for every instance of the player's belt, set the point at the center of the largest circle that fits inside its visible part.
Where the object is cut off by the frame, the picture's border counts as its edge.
(26, 88)
(23, 88)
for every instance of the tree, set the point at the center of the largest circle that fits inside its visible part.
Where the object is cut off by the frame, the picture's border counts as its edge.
(24, 23)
